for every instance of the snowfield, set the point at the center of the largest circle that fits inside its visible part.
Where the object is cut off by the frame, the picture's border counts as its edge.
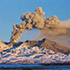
(31, 55)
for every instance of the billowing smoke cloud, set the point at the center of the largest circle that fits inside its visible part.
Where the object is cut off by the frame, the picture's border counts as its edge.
(60, 35)
(49, 25)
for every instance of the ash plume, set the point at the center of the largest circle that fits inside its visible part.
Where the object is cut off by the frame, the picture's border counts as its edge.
(62, 29)
(49, 25)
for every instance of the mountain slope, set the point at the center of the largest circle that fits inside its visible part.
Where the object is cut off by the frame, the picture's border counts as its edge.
(48, 44)
(31, 55)
(3, 46)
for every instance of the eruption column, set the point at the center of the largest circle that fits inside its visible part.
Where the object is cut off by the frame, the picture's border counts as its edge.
(36, 20)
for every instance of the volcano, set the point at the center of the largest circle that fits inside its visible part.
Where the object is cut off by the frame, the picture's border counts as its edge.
(41, 51)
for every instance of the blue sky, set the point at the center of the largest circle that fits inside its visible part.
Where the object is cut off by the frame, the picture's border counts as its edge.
(11, 11)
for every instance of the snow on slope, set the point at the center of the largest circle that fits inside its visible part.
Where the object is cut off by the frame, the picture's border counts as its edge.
(31, 55)
(3, 47)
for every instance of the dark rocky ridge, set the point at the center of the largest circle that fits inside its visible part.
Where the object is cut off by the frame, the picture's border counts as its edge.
(48, 44)
(44, 43)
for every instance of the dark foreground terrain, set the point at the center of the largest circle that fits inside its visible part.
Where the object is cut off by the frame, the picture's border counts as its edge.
(59, 66)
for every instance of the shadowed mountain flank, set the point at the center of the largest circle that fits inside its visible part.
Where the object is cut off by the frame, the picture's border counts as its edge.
(48, 44)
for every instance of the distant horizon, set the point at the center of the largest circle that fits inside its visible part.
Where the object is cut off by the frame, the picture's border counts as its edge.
(11, 11)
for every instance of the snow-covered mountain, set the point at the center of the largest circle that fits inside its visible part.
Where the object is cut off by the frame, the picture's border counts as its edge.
(3, 46)
(31, 55)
